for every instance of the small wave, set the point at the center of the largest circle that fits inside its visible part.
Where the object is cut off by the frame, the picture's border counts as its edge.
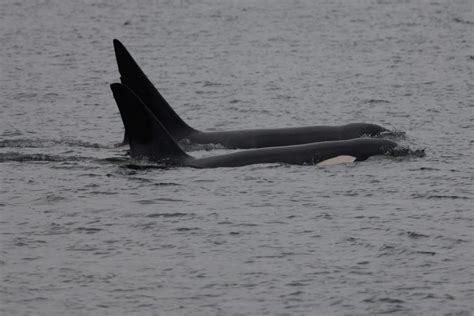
(29, 242)
(425, 169)
(430, 253)
(416, 235)
(88, 230)
(450, 197)
(133, 166)
(156, 201)
(165, 184)
(402, 151)
(397, 133)
(116, 159)
(390, 300)
(390, 134)
(18, 157)
(463, 21)
(188, 146)
(167, 215)
(41, 143)
(374, 101)
(213, 84)
(126, 162)
(439, 196)
(187, 229)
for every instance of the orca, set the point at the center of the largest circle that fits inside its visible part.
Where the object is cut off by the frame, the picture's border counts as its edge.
(149, 139)
(133, 77)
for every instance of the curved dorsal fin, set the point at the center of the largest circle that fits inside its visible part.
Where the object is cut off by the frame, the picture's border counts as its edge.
(135, 79)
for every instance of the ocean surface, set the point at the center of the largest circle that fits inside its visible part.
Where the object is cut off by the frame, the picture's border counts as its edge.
(85, 230)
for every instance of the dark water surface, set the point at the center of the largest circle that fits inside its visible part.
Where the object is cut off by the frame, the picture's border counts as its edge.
(84, 230)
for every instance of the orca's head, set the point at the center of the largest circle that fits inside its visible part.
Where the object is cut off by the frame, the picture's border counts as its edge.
(364, 148)
(365, 129)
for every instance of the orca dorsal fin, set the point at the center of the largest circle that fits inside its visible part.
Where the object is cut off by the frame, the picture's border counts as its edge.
(134, 78)
(147, 137)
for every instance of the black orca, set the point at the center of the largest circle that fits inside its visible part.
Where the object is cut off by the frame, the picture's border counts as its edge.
(134, 78)
(149, 139)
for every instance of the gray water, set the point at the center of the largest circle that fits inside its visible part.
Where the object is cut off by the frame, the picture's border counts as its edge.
(85, 230)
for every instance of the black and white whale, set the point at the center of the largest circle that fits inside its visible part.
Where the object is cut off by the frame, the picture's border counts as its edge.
(149, 139)
(134, 78)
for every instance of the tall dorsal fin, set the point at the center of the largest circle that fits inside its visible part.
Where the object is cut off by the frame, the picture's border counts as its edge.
(147, 136)
(134, 78)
